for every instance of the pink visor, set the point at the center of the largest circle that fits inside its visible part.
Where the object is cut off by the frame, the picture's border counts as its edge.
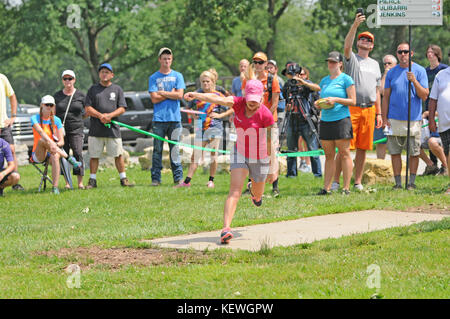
(254, 90)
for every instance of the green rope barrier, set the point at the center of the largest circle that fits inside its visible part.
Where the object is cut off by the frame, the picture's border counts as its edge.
(293, 154)
(165, 140)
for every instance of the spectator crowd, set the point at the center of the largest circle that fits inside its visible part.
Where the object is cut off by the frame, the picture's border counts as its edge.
(352, 106)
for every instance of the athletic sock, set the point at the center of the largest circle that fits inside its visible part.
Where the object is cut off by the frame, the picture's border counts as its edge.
(187, 180)
(211, 178)
(412, 178)
(123, 175)
(398, 180)
(275, 184)
(93, 176)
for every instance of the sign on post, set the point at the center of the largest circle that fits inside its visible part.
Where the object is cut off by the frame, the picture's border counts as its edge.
(410, 12)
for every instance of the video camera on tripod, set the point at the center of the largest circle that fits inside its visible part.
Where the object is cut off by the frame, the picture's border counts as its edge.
(297, 100)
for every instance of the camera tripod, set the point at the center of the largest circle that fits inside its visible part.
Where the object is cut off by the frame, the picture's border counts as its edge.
(296, 102)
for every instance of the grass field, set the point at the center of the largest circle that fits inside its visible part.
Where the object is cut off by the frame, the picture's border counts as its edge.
(101, 230)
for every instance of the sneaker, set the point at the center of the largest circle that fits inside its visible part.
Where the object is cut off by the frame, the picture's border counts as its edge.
(124, 182)
(302, 164)
(396, 186)
(92, 183)
(18, 187)
(276, 192)
(156, 183)
(305, 169)
(358, 187)
(55, 190)
(210, 184)
(74, 162)
(443, 171)
(411, 187)
(254, 201)
(225, 236)
(323, 191)
(430, 170)
(182, 184)
(345, 192)
(334, 186)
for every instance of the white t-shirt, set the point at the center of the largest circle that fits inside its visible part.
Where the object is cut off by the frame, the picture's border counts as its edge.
(5, 92)
(441, 92)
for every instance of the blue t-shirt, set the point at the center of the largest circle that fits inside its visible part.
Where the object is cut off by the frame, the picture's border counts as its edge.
(5, 153)
(397, 81)
(236, 86)
(167, 110)
(335, 88)
(36, 119)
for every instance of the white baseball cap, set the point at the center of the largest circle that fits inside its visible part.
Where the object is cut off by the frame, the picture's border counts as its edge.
(48, 99)
(68, 72)
(164, 50)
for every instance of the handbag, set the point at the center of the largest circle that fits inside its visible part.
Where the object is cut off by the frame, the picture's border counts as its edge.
(67, 111)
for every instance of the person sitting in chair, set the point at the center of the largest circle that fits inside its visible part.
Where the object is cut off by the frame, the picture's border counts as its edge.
(48, 136)
(8, 176)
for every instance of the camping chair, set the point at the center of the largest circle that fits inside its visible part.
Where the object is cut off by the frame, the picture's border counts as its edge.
(65, 170)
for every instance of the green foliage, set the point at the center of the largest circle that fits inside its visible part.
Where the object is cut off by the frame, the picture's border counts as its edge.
(38, 41)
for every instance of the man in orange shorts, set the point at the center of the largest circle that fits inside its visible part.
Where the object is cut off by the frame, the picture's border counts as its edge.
(366, 73)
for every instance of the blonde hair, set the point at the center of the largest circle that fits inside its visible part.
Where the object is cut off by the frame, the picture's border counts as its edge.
(250, 73)
(208, 74)
(52, 117)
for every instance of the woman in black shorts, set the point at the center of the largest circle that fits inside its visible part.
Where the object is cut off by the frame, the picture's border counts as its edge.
(335, 128)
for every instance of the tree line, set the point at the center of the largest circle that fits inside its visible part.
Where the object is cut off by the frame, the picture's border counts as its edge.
(41, 38)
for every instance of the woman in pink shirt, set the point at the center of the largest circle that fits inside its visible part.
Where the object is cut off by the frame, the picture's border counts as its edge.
(253, 154)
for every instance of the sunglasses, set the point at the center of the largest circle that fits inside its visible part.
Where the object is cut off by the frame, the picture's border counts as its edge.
(259, 62)
(49, 105)
(387, 63)
(367, 39)
(403, 51)
(67, 79)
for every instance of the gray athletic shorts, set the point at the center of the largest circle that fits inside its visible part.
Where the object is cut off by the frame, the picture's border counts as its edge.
(258, 169)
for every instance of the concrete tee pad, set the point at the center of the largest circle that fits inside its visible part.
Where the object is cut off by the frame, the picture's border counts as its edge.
(303, 230)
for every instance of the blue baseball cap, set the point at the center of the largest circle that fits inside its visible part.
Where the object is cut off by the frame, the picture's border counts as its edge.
(105, 65)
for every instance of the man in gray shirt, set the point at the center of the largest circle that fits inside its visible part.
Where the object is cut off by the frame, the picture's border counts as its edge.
(366, 73)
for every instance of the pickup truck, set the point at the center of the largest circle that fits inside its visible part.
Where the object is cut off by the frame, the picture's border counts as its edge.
(139, 114)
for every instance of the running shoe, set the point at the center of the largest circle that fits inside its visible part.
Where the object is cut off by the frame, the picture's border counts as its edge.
(334, 186)
(358, 187)
(18, 187)
(323, 191)
(182, 184)
(254, 201)
(210, 184)
(431, 170)
(225, 236)
(92, 183)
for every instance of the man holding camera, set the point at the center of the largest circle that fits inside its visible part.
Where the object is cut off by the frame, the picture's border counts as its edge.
(301, 117)
(366, 73)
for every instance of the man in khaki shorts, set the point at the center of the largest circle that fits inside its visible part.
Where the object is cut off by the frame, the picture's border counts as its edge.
(105, 102)
(395, 112)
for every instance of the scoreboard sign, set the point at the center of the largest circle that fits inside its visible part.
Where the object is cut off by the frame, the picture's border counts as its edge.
(410, 12)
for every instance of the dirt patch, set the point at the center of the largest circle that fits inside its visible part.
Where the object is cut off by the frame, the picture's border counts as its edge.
(115, 258)
(429, 209)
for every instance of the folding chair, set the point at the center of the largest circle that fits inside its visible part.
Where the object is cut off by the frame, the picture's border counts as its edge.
(65, 170)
